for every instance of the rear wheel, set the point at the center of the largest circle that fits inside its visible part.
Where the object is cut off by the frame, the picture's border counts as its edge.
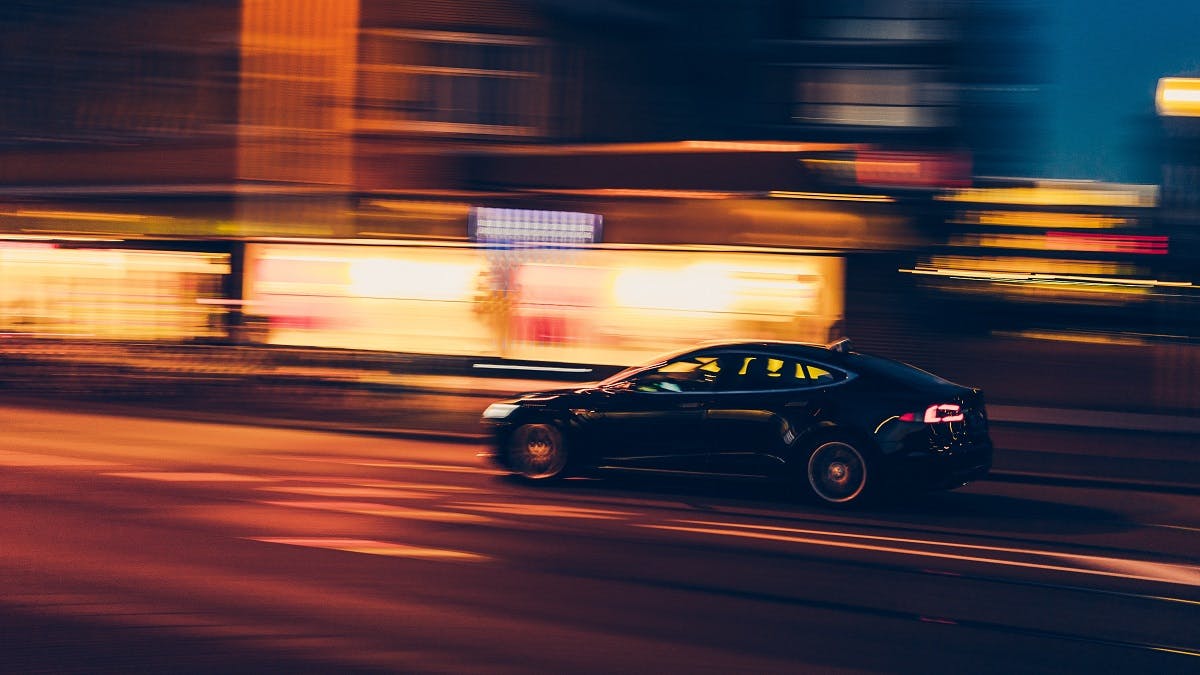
(537, 452)
(838, 472)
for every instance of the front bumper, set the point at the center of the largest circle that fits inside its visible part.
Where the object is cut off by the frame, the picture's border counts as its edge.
(498, 432)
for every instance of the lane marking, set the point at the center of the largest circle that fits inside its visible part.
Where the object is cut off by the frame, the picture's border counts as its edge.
(385, 510)
(546, 510)
(373, 547)
(191, 476)
(1142, 570)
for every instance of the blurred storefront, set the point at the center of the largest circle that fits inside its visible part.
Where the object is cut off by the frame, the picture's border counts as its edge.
(273, 128)
(585, 304)
(88, 289)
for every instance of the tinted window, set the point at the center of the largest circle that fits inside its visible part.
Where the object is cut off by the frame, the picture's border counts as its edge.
(745, 372)
(820, 375)
(891, 369)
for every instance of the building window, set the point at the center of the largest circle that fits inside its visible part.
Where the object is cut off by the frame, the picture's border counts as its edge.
(873, 97)
(471, 84)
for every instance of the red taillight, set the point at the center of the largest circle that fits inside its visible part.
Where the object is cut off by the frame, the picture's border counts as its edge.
(944, 412)
(936, 413)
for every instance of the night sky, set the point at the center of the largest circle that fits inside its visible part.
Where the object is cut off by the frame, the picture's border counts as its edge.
(1103, 59)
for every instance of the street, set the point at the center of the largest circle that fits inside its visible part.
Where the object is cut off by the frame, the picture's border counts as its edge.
(155, 545)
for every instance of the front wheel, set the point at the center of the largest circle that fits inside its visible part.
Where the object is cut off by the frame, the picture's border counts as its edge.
(838, 473)
(537, 452)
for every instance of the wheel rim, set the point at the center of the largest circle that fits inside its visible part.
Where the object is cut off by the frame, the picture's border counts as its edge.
(538, 453)
(837, 472)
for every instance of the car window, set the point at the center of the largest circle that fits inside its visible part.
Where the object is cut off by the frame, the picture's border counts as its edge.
(820, 375)
(688, 374)
(748, 372)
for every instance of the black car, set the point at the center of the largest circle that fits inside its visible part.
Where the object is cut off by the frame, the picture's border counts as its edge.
(841, 424)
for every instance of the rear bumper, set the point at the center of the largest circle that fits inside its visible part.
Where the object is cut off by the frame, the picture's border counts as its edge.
(943, 469)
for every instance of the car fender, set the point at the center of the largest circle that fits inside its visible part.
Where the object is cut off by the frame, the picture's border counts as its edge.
(826, 429)
(567, 421)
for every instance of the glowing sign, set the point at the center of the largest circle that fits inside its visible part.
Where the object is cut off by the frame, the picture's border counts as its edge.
(528, 226)
(913, 169)
(1178, 97)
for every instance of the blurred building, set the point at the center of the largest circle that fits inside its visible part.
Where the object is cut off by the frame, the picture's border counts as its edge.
(272, 117)
(781, 125)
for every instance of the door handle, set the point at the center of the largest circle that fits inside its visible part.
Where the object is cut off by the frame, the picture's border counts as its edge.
(691, 404)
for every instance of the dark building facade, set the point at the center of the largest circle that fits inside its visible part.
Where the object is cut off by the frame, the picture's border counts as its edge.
(284, 117)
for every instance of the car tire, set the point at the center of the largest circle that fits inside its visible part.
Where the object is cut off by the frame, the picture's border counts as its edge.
(838, 472)
(537, 452)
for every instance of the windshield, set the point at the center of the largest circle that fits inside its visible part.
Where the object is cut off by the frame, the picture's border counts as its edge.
(662, 358)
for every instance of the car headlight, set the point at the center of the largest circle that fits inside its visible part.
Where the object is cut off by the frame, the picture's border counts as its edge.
(498, 411)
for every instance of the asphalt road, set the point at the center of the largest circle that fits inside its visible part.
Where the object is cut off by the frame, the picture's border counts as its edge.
(152, 545)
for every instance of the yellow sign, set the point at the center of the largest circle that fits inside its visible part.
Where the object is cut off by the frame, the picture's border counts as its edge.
(1178, 97)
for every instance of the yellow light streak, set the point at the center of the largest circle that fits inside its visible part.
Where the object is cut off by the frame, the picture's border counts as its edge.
(1036, 277)
(84, 215)
(1084, 338)
(1043, 219)
(646, 193)
(830, 196)
(54, 237)
(1054, 193)
(422, 208)
(1095, 268)
(1178, 97)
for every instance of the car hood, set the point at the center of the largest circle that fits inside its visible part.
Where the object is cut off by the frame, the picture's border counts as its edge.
(553, 394)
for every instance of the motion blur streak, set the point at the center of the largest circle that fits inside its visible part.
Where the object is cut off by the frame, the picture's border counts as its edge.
(353, 491)
(11, 458)
(371, 547)
(190, 476)
(545, 510)
(385, 511)
(449, 468)
(1146, 571)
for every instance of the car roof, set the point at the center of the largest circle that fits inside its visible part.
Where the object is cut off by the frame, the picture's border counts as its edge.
(798, 349)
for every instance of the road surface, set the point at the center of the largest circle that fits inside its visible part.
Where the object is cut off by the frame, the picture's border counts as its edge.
(152, 545)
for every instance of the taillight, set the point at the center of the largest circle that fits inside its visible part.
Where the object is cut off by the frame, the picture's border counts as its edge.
(936, 413)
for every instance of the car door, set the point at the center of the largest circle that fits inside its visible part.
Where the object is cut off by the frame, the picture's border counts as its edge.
(657, 414)
(762, 403)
